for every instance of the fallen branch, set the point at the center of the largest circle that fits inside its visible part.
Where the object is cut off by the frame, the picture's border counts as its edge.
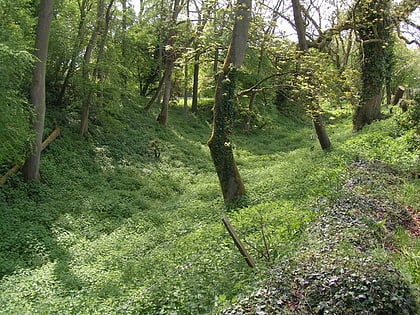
(17, 167)
(238, 242)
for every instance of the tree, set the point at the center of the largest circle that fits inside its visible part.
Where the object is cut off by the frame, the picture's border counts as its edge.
(220, 142)
(32, 164)
(264, 40)
(372, 21)
(84, 7)
(104, 16)
(171, 55)
(314, 109)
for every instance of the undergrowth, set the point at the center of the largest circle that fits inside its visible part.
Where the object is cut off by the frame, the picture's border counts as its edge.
(115, 229)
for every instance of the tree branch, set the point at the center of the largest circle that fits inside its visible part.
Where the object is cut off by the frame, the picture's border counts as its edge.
(256, 85)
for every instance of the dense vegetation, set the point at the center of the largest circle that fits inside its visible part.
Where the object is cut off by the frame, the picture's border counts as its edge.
(318, 160)
(112, 229)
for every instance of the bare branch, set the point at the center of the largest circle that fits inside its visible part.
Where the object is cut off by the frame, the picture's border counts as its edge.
(255, 88)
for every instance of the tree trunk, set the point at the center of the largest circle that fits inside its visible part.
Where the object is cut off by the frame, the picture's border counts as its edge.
(185, 88)
(369, 108)
(216, 60)
(368, 112)
(156, 95)
(220, 142)
(84, 9)
(32, 164)
(268, 32)
(314, 108)
(167, 81)
(398, 95)
(124, 54)
(171, 56)
(375, 33)
(321, 133)
(84, 121)
(300, 25)
(194, 106)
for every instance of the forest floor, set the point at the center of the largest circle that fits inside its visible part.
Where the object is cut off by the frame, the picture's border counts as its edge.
(336, 270)
(113, 228)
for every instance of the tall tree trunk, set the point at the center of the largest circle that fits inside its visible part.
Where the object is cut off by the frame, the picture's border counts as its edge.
(167, 81)
(314, 108)
(268, 32)
(369, 108)
(87, 95)
(32, 164)
(156, 94)
(374, 31)
(216, 60)
(84, 8)
(196, 68)
(171, 55)
(101, 29)
(186, 88)
(300, 25)
(124, 54)
(220, 142)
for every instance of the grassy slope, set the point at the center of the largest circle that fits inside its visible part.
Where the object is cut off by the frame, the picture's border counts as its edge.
(113, 230)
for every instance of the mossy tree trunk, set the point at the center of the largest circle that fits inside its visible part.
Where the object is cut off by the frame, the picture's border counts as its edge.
(220, 142)
(369, 108)
(32, 164)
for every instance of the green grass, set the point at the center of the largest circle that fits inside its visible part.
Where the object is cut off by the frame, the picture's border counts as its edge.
(113, 230)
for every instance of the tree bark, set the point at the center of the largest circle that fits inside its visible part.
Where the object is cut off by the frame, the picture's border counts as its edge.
(220, 142)
(32, 164)
(300, 25)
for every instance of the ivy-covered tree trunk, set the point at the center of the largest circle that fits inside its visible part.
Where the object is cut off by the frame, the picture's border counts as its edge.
(374, 30)
(369, 108)
(220, 142)
(32, 164)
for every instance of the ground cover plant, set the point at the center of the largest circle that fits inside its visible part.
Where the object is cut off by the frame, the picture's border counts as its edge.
(114, 229)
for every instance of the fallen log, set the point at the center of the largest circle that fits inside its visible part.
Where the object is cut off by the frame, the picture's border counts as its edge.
(51, 137)
(44, 144)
